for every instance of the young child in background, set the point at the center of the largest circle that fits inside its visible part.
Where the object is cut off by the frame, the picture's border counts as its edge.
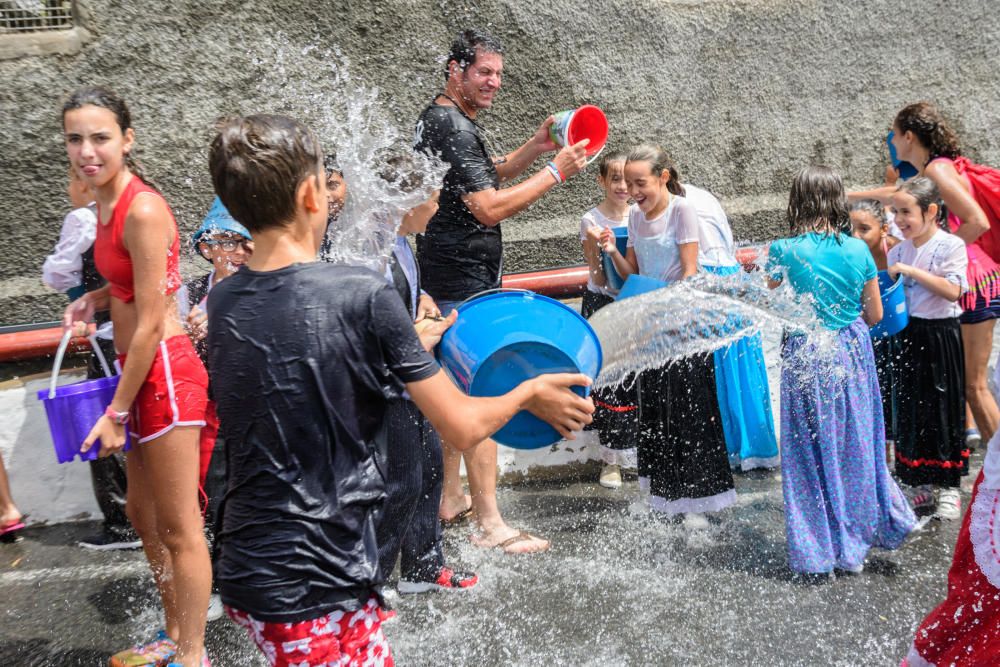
(227, 245)
(71, 269)
(839, 497)
(930, 443)
(683, 459)
(870, 224)
(407, 525)
(617, 410)
(740, 370)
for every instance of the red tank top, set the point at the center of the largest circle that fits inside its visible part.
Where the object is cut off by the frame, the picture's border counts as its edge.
(112, 258)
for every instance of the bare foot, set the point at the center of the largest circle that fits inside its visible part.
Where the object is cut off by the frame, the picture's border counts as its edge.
(450, 508)
(10, 517)
(511, 541)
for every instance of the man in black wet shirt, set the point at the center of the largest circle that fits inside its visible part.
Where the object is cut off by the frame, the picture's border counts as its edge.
(305, 357)
(461, 253)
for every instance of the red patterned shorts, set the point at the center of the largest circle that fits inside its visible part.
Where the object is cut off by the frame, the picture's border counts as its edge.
(338, 639)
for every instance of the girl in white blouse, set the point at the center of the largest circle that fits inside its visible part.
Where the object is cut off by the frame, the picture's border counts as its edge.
(930, 441)
(681, 447)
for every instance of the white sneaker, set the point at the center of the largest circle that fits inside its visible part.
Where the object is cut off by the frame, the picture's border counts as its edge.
(949, 505)
(215, 609)
(611, 476)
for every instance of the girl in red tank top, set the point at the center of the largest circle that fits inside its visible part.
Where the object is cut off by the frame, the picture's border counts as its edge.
(162, 392)
(112, 258)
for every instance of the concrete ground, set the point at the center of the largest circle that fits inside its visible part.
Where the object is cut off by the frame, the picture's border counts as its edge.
(619, 587)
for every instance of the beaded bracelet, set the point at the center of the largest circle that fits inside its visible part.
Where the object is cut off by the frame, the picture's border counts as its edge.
(556, 174)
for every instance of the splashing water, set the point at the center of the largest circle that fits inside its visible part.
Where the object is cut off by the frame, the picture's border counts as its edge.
(353, 122)
(701, 314)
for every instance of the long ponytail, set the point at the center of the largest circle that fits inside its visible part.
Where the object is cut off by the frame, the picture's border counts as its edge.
(659, 162)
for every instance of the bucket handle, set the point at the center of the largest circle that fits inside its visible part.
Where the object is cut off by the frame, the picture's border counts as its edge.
(493, 291)
(596, 155)
(99, 353)
(60, 353)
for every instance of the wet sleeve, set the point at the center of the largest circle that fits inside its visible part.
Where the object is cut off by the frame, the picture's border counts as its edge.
(586, 222)
(871, 271)
(404, 355)
(633, 223)
(775, 264)
(471, 166)
(688, 225)
(63, 269)
(955, 263)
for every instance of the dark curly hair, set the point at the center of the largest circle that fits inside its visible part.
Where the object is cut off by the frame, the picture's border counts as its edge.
(930, 128)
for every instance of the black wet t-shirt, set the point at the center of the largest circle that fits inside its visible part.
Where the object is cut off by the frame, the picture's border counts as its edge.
(304, 360)
(458, 255)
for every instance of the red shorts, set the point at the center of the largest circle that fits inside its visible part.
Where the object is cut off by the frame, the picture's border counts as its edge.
(335, 640)
(174, 393)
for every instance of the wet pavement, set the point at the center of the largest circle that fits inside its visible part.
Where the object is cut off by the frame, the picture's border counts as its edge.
(619, 587)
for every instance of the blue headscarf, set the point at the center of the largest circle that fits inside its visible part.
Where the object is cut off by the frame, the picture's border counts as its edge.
(217, 220)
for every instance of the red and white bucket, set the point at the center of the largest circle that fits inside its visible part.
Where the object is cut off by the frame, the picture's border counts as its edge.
(575, 125)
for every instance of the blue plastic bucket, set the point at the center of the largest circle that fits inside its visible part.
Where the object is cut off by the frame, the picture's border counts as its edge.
(637, 284)
(73, 409)
(615, 281)
(905, 169)
(504, 338)
(894, 314)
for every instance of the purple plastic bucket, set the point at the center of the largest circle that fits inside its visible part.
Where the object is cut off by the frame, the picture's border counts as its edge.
(73, 409)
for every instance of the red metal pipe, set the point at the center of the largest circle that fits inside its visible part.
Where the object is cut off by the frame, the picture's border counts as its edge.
(569, 281)
(36, 343)
(565, 282)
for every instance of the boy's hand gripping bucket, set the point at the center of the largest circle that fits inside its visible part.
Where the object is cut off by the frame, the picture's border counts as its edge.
(575, 125)
(615, 281)
(504, 337)
(894, 314)
(73, 409)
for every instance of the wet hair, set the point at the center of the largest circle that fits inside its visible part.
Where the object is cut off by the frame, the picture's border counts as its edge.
(105, 98)
(463, 49)
(930, 127)
(331, 164)
(257, 163)
(658, 162)
(873, 208)
(402, 170)
(818, 196)
(926, 192)
(608, 159)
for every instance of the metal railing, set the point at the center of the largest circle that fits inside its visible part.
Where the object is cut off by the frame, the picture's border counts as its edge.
(31, 16)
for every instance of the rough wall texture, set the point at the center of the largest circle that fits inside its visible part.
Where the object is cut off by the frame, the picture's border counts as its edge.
(741, 92)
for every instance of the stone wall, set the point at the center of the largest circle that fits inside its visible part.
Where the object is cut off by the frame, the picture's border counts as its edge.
(741, 92)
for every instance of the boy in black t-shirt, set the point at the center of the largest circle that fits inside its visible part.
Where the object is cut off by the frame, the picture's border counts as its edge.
(304, 358)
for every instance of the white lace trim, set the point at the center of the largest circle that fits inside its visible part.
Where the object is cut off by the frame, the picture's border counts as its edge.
(914, 659)
(626, 458)
(991, 466)
(984, 532)
(714, 503)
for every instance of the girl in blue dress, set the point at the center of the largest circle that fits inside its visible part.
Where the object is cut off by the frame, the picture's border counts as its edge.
(839, 497)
